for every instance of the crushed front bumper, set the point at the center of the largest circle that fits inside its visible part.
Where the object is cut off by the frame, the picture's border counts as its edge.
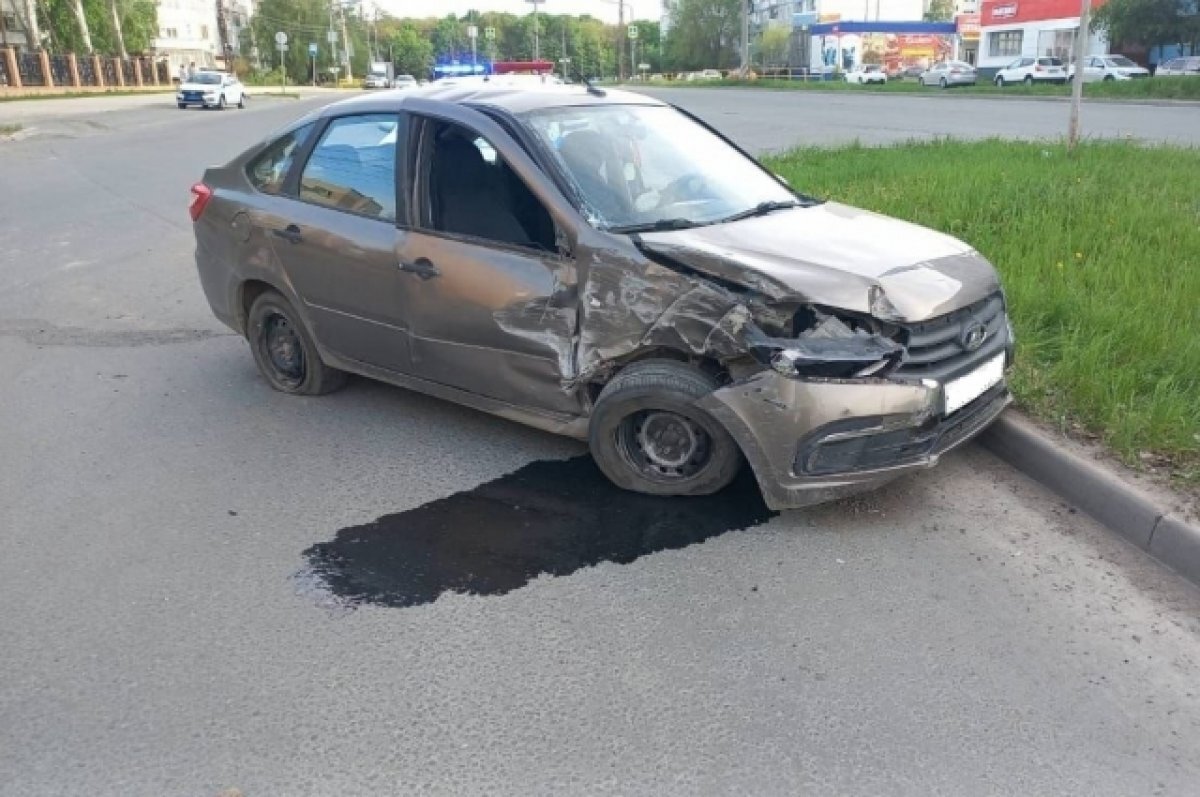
(811, 441)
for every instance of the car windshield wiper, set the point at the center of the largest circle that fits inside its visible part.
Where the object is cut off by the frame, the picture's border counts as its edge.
(657, 226)
(761, 209)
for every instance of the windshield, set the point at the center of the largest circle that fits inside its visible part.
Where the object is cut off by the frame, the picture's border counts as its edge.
(636, 165)
(206, 78)
(1121, 60)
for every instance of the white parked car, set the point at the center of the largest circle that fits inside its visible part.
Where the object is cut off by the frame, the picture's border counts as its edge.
(1189, 65)
(1109, 67)
(404, 82)
(1032, 70)
(376, 80)
(210, 89)
(866, 73)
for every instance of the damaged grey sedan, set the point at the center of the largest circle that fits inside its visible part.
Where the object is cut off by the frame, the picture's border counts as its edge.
(602, 265)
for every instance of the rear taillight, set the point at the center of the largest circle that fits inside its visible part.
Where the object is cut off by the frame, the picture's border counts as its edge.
(201, 194)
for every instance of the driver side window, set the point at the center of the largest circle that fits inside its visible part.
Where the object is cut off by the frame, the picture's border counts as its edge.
(468, 189)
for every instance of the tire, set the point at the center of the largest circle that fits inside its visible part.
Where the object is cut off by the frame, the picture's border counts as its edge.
(1109, 78)
(221, 103)
(944, 84)
(242, 100)
(182, 106)
(284, 351)
(646, 401)
(1029, 80)
(999, 82)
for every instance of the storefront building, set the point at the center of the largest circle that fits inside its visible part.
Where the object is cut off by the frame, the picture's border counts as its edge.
(1011, 29)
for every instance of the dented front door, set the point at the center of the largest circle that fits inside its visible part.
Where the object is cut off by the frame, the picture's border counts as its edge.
(490, 319)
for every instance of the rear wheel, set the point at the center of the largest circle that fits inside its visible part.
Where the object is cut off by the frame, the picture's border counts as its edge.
(1108, 78)
(242, 100)
(284, 351)
(221, 103)
(944, 84)
(999, 82)
(1029, 80)
(647, 434)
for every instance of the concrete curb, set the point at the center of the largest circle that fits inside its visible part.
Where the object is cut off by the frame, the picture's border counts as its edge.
(1114, 502)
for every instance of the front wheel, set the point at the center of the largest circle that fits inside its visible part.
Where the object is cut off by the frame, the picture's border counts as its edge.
(284, 351)
(999, 82)
(944, 84)
(221, 103)
(1109, 78)
(242, 100)
(647, 435)
(182, 106)
(1029, 80)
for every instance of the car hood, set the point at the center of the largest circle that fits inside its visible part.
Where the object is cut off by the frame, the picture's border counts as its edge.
(837, 256)
(189, 86)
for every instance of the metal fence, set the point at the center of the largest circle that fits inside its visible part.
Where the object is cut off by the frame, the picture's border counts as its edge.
(164, 72)
(5, 78)
(109, 68)
(87, 71)
(147, 69)
(30, 67)
(127, 71)
(60, 70)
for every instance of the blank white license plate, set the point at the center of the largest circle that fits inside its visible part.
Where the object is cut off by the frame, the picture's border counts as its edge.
(962, 391)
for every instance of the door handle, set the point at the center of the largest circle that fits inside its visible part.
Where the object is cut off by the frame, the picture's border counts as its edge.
(422, 267)
(291, 234)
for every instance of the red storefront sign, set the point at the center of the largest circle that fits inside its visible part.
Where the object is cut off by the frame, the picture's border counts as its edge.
(1002, 12)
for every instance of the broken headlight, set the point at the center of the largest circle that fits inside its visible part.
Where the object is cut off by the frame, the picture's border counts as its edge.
(831, 348)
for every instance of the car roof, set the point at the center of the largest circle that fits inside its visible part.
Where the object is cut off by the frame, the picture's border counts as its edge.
(512, 97)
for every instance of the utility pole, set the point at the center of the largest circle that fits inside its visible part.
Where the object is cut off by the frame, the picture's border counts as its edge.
(621, 33)
(1081, 35)
(536, 47)
(346, 46)
(745, 38)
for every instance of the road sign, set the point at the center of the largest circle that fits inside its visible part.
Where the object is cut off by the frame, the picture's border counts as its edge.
(489, 34)
(643, 67)
(312, 49)
(331, 37)
(472, 32)
(633, 31)
(281, 48)
(281, 38)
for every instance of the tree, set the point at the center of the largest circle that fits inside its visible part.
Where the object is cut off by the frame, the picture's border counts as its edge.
(1150, 22)
(85, 34)
(704, 33)
(940, 11)
(411, 51)
(116, 18)
(774, 46)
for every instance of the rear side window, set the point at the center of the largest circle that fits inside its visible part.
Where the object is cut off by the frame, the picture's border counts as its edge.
(353, 167)
(269, 170)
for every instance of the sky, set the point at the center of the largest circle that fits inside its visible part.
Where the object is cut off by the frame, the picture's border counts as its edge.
(602, 9)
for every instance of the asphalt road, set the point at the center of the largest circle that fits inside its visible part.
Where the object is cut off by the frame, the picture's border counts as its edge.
(766, 119)
(196, 595)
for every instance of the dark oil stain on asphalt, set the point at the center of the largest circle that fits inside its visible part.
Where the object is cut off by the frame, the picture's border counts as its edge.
(552, 517)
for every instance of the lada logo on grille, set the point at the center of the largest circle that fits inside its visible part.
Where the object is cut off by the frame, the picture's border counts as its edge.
(973, 335)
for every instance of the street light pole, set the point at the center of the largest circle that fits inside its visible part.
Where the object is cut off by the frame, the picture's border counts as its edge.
(745, 38)
(1085, 10)
(536, 48)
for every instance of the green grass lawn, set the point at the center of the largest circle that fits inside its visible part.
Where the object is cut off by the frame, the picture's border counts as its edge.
(1163, 88)
(1099, 254)
(8, 130)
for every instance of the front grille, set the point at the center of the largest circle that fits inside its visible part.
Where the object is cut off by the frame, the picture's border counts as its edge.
(935, 348)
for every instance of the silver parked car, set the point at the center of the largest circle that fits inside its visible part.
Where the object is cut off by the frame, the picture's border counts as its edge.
(947, 74)
(601, 265)
(1189, 65)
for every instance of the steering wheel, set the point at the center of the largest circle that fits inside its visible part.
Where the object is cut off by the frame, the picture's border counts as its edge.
(689, 186)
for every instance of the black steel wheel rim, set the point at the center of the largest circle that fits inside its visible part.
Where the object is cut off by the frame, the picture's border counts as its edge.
(663, 446)
(284, 349)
